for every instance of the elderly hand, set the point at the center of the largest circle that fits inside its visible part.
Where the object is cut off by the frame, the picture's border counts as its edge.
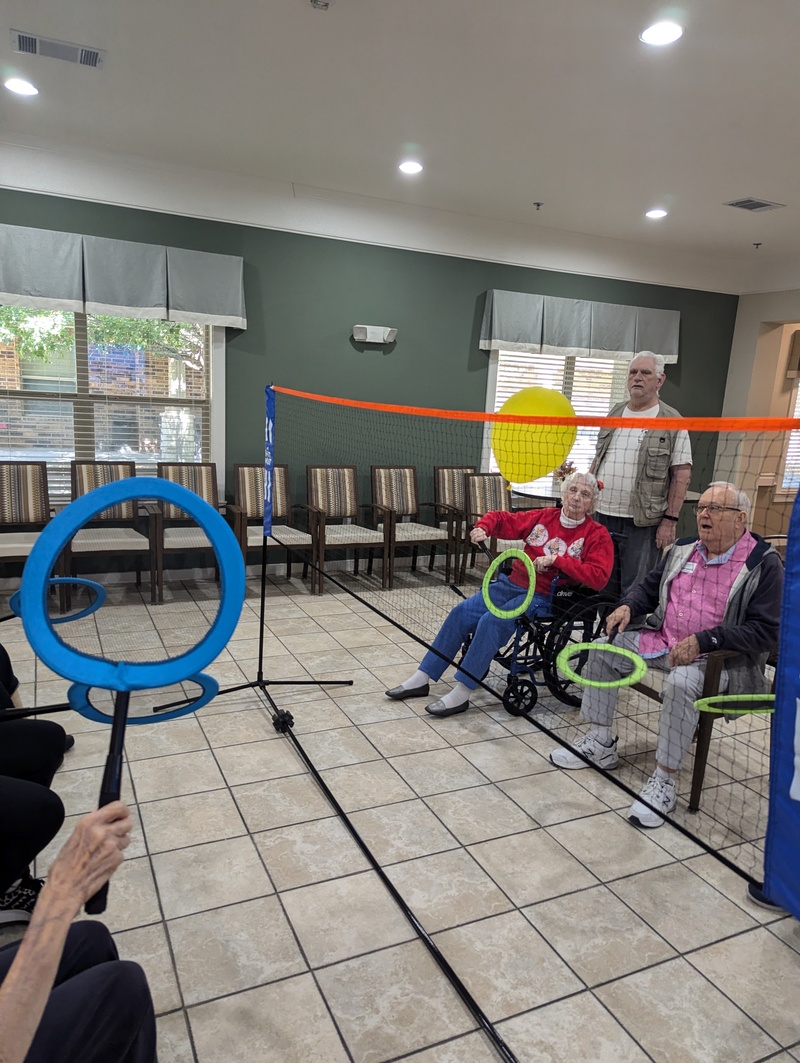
(620, 618)
(478, 535)
(684, 652)
(91, 855)
(543, 562)
(665, 533)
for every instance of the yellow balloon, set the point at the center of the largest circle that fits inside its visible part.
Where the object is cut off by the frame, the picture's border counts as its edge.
(525, 452)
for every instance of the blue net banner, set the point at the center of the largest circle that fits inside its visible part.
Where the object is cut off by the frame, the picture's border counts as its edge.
(269, 456)
(782, 853)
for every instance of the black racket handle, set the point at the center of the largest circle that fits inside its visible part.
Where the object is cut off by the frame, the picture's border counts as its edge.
(96, 904)
(111, 786)
(482, 546)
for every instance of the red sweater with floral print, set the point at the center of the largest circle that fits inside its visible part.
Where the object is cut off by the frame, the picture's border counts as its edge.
(583, 555)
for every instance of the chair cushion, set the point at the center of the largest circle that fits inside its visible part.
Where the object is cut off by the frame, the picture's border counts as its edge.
(410, 531)
(108, 540)
(185, 539)
(352, 534)
(282, 535)
(17, 544)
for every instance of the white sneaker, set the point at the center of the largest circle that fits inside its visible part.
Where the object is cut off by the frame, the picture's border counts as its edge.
(660, 793)
(593, 749)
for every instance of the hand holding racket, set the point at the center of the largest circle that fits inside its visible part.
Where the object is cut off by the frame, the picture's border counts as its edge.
(91, 855)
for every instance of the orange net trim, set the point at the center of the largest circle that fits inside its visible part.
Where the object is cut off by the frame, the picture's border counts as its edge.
(689, 424)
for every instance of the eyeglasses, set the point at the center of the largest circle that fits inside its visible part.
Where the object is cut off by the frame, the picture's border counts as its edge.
(713, 509)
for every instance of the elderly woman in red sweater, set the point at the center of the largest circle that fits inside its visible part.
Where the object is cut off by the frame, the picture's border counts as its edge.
(562, 542)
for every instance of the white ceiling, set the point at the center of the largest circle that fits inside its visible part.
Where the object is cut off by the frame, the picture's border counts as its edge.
(505, 102)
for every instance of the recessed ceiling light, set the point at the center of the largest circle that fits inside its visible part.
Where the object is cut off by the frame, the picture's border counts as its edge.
(22, 88)
(410, 166)
(661, 33)
(657, 213)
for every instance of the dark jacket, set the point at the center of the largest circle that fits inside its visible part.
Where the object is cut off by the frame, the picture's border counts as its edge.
(751, 622)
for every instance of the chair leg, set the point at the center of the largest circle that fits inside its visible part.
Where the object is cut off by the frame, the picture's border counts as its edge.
(414, 552)
(705, 728)
(433, 555)
(138, 572)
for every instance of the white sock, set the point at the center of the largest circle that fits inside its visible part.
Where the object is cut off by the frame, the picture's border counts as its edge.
(602, 734)
(418, 679)
(457, 696)
(666, 776)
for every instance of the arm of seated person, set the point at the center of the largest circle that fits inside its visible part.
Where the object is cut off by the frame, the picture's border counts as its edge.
(86, 862)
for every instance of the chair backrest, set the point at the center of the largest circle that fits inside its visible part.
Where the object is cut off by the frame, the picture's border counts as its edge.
(485, 492)
(395, 488)
(334, 490)
(448, 484)
(197, 476)
(248, 491)
(85, 476)
(24, 498)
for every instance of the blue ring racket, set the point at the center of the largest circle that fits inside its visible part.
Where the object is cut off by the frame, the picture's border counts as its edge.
(122, 677)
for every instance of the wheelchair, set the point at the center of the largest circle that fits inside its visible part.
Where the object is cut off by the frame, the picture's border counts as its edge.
(577, 614)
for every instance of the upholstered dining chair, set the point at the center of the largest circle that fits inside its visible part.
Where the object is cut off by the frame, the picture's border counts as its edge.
(177, 533)
(248, 507)
(484, 492)
(394, 487)
(344, 524)
(24, 507)
(448, 496)
(115, 531)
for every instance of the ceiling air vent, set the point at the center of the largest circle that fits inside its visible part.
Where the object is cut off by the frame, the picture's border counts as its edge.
(755, 206)
(30, 44)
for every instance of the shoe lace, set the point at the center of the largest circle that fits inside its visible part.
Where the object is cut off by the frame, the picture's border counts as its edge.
(657, 791)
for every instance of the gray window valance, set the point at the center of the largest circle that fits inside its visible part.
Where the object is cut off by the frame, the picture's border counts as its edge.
(50, 270)
(518, 321)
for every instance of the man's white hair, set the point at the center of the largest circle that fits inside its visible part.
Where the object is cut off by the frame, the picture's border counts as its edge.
(740, 499)
(658, 360)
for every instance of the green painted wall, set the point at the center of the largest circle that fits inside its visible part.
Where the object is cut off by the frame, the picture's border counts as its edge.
(305, 293)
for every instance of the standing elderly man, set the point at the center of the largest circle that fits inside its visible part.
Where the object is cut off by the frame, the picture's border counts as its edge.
(721, 591)
(644, 473)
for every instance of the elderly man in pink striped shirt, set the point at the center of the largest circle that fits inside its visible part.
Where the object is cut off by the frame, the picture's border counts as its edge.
(720, 590)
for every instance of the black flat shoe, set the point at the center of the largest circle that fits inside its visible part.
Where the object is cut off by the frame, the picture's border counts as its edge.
(69, 742)
(400, 693)
(440, 709)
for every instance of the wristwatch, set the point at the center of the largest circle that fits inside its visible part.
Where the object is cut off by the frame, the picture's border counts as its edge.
(668, 517)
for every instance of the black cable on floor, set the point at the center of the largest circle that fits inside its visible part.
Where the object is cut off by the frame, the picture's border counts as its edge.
(283, 722)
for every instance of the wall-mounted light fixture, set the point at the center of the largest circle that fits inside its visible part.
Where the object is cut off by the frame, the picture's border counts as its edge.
(374, 334)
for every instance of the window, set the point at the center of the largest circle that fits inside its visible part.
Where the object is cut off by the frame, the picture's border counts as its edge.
(592, 385)
(108, 388)
(790, 477)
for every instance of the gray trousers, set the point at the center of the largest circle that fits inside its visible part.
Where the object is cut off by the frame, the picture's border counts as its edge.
(682, 687)
(635, 552)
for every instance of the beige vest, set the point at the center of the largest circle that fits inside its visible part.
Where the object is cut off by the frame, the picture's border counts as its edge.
(649, 497)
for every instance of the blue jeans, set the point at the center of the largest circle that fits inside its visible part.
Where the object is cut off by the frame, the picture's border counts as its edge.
(488, 632)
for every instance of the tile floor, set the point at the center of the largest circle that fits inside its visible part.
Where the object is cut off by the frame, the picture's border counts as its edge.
(265, 935)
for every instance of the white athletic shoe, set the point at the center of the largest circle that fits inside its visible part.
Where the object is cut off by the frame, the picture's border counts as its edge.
(594, 750)
(660, 793)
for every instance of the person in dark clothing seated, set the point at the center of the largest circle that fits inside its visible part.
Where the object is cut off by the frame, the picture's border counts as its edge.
(65, 996)
(720, 590)
(561, 542)
(31, 751)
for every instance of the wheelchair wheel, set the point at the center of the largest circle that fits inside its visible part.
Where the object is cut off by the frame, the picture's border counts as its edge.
(520, 696)
(582, 622)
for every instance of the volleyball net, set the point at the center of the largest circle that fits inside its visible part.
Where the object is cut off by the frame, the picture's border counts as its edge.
(418, 469)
